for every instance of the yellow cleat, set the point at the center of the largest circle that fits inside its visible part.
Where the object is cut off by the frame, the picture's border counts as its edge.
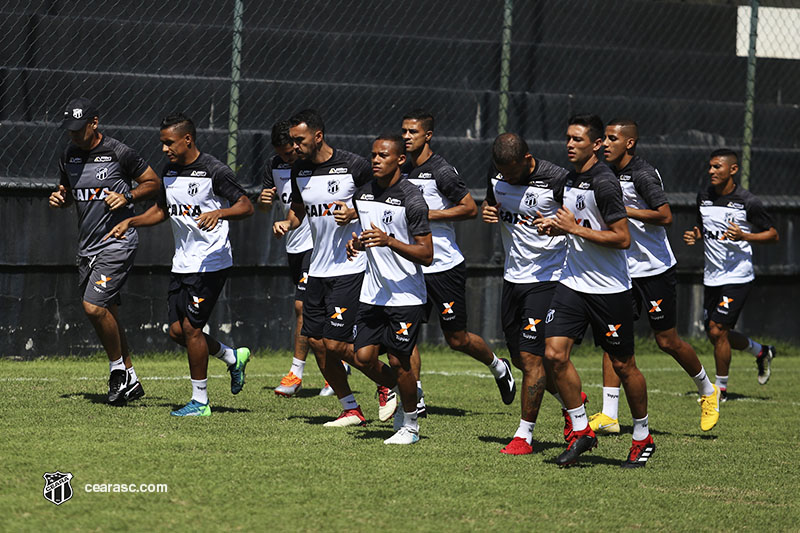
(603, 424)
(709, 410)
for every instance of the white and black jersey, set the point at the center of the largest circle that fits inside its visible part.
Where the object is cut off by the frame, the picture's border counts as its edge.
(530, 257)
(400, 211)
(318, 188)
(111, 166)
(595, 199)
(650, 253)
(442, 188)
(187, 191)
(729, 262)
(279, 175)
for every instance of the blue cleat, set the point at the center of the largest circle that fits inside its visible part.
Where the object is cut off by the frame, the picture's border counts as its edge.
(193, 408)
(237, 369)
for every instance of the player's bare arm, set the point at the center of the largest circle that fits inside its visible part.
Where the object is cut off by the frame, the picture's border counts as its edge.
(691, 236)
(616, 236)
(465, 209)
(735, 233)
(658, 217)
(490, 213)
(243, 208)
(147, 186)
(156, 214)
(420, 251)
(293, 219)
(266, 198)
(60, 198)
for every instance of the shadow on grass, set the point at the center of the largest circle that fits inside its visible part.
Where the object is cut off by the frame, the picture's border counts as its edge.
(588, 460)
(97, 398)
(704, 436)
(311, 420)
(446, 411)
(733, 396)
(381, 434)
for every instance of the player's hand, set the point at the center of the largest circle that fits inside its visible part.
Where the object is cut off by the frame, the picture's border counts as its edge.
(564, 221)
(115, 200)
(547, 226)
(267, 196)
(734, 232)
(374, 237)
(343, 214)
(490, 213)
(353, 247)
(280, 228)
(691, 236)
(119, 231)
(58, 198)
(208, 221)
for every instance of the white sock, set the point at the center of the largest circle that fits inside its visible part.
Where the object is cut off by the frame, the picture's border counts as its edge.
(611, 402)
(226, 354)
(297, 367)
(754, 347)
(132, 378)
(704, 386)
(116, 365)
(200, 390)
(640, 428)
(525, 430)
(410, 420)
(578, 416)
(348, 402)
(721, 382)
(557, 396)
(497, 368)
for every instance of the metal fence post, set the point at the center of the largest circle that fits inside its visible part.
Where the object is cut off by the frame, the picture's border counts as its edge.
(505, 67)
(236, 63)
(750, 94)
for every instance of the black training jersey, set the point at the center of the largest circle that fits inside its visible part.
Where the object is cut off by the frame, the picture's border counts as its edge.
(401, 212)
(729, 262)
(595, 198)
(111, 166)
(442, 188)
(279, 175)
(642, 188)
(204, 185)
(318, 188)
(530, 257)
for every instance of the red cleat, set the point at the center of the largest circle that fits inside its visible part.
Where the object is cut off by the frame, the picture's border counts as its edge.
(517, 446)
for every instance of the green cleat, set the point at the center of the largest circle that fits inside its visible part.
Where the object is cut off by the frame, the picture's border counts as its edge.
(237, 369)
(193, 408)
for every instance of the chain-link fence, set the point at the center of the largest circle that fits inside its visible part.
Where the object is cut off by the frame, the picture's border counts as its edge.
(682, 69)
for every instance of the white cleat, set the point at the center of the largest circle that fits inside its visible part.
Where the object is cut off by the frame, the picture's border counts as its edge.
(404, 435)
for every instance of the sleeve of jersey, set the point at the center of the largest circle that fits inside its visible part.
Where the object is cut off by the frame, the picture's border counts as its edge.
(450, 184)
(131, 162)
(161, 197)
(63, 179)
(758, 216)
(362, 171)
(295, 197)
(224, 184)
(650, 189)
(608, 195)
(699, 219)
(417, 212)
(490, 198)
(268, 181)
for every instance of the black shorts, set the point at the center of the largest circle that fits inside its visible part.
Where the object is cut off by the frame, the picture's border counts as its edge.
(447, 296)
(523, 309)
(611, 317)
(394, 329)
(331, 306)
(658, 296)
(101, 276)
(298, 271)
(723, 304)
(193, 296)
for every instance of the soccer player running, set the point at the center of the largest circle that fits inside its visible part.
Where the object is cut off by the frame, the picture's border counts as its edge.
(520, 190)
(732, 218)
(96, 174)
(397, 238)
(594, 289)
(323, 182)
(448, 201)
(199, 195)
(277, 183)
(651, 264)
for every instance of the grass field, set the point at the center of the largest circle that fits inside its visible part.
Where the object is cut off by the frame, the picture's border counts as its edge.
(263, 463)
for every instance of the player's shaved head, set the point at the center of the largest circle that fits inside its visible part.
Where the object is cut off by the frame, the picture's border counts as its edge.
(627, 127)
(397, 141)
(509, 148)
(181, 123)
(309, 117)
(421, 115)
(726, 153)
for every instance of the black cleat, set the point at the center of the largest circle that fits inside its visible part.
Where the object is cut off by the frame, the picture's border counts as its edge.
(723, 395)
(583, 441)
(764, 363)
(506, 384)
(640, 452)
(117, 382)
(134, 392)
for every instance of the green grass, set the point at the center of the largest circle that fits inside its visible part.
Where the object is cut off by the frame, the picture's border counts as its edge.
(265, 463)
